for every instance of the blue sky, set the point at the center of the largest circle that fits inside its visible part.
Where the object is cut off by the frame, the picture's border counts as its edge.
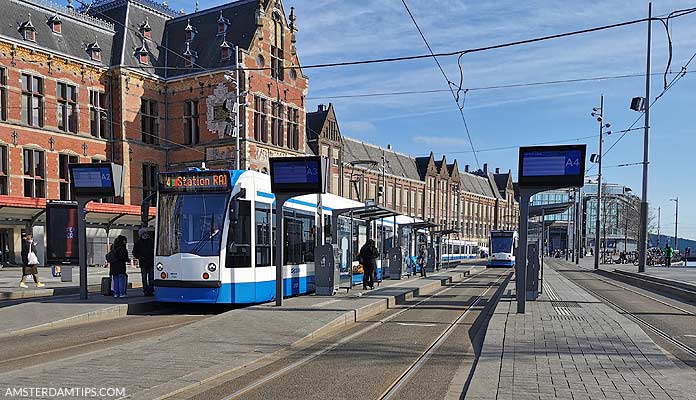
(339, 30)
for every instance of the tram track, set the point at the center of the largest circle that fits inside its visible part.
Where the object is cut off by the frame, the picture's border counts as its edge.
(37, 348)
(407, 375)
(641, 317)
(252, 382)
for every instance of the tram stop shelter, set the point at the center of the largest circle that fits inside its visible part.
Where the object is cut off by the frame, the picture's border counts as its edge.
(437, 241)
(21, 214)
(538, 230)
(360, 224)
(425, 228)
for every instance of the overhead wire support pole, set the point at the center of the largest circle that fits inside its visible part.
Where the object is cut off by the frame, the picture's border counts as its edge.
(599, 183)
(643, 234)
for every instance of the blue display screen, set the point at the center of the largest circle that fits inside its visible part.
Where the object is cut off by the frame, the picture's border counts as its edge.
(293, 172)
(552, 163)
(93, 177)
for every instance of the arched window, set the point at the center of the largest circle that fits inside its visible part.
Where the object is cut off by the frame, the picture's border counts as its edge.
(277, 47)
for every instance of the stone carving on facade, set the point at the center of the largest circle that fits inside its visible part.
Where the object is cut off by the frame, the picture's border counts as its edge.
(217, 105)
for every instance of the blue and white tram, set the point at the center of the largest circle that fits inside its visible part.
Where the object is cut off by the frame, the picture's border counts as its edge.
(215, 238)
(503, 246)
(455, 250)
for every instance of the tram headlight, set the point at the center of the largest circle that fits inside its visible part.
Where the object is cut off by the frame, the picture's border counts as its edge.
(163, 275)
(205, 275)
(160, 267)
(212, 267)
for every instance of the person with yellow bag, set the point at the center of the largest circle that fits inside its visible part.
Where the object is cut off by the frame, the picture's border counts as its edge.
(367, 256)
(30, 261)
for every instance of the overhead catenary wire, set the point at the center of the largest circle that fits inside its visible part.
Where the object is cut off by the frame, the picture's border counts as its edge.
(449, 83)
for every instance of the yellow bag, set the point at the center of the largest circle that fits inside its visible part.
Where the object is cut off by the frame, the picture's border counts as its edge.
(358, 269)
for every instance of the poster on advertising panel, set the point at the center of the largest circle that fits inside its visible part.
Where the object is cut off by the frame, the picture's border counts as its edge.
(61, 233)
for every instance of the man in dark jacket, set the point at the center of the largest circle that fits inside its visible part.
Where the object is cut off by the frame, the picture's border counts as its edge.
(144, 251)
(368, 256)
(422, 260)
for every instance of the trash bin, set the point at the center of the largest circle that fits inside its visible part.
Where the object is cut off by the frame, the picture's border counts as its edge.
(66, 274)
(395, 262)
(326, 273)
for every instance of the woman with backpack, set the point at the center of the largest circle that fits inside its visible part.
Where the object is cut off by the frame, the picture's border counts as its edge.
(117, 258)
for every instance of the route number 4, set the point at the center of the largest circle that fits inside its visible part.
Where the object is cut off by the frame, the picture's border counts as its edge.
(571, 163)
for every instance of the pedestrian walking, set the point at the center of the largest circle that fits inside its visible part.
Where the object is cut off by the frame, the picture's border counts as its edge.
(117, 258)
(368, 255)
(144, 251)
(668, 255)
(30, 261)
(422, 259)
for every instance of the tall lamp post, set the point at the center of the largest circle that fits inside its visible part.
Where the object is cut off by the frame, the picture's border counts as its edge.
(676, 222)
(599, 113)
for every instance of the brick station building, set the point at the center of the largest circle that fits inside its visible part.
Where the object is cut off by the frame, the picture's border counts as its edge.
(139, 84)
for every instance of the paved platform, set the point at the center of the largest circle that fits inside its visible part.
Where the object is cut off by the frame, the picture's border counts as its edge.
(60, 311)
(197, 353)
(10, 276)
(570, 345)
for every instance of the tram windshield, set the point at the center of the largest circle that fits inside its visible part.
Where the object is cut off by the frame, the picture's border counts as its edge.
(190, 223)
(501, 244)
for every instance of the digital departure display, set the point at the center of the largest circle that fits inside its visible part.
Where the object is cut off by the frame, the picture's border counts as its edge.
(543, 163)
(297, 175)
(552, 166)
(96, 179)
(194, 181)
(99, 177)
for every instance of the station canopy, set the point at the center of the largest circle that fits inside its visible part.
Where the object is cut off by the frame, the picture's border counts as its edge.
(17, 210)
(549, 209)
(368, 212)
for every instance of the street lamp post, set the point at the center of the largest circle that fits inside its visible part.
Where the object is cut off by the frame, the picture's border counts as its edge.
(599, 113)
(676, 222)
(643, 235)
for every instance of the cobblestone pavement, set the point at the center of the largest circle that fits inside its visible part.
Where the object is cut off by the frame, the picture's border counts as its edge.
(570, 345)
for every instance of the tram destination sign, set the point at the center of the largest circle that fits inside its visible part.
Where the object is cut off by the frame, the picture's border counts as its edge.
(194, 181)
(297, 175)
(552, 166)
(96, 179)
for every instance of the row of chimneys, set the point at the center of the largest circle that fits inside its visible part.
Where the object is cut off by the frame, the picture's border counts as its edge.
(485, 169)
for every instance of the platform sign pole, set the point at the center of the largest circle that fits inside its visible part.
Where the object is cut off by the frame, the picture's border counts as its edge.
(88, 182)
(292, 177)
(521, 268)
(280, 240)
(542, 168)
(82, 244)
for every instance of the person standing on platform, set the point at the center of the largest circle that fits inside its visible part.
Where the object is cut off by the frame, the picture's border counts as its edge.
(117, 258)
(144, 251)
(29, 261)
(422, 260)
(368, 255)
(668, 255)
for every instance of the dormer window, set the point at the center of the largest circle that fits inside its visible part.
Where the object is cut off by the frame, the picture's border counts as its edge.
(189, 31)
(189, 56)
(225, 50)
(223, 23)
(55, 24)
(28, 30)
(142, 54)
(145, 29)
(94, 51)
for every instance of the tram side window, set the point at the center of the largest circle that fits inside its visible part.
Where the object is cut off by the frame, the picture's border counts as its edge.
(239, 237)
(263, 235)
(300, 231)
